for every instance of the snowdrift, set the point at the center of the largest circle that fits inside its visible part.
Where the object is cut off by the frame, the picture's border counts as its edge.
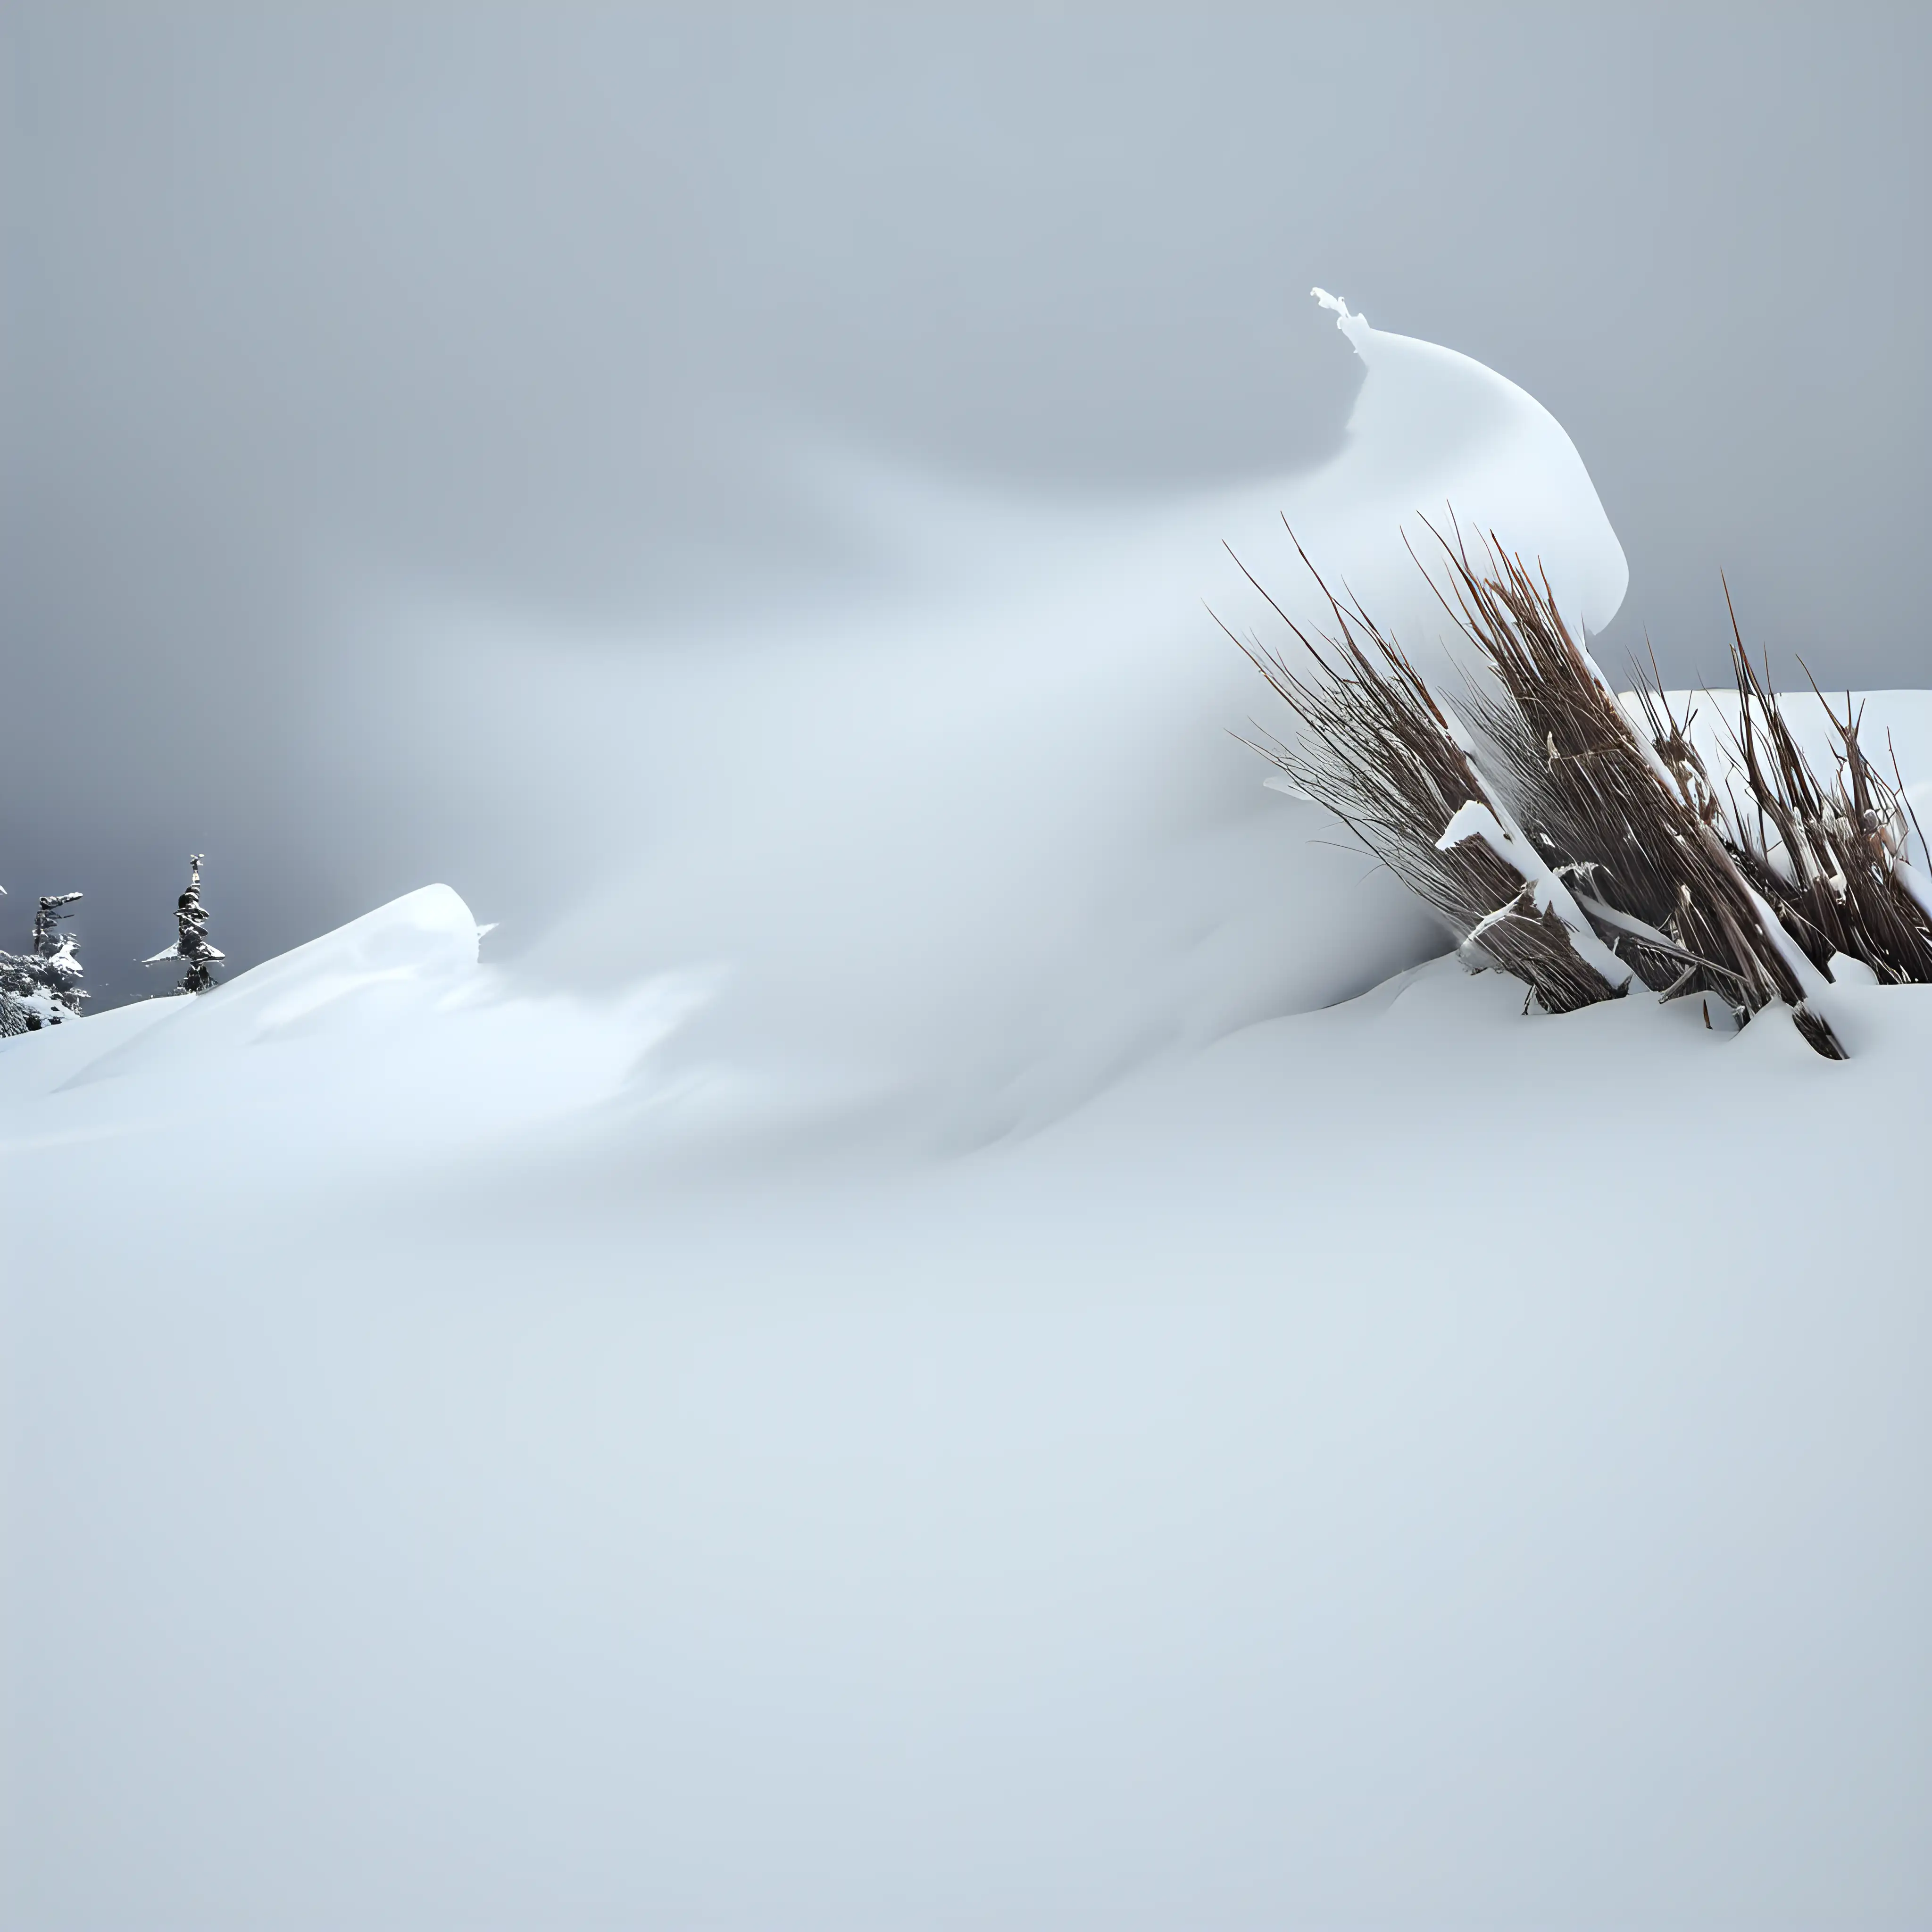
(383, 1037)
(1011, 1356)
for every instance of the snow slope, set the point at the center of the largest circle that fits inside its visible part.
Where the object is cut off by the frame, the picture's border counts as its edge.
(958, 1387)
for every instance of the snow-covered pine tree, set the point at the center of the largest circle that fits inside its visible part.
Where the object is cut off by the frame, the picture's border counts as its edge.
(42, 987)
(199, 959)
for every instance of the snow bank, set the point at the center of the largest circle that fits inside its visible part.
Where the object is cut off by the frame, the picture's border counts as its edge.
(385, 1040)
(1380, 1429)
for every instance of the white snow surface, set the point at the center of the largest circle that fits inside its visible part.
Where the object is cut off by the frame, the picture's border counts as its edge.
(1007, 1357)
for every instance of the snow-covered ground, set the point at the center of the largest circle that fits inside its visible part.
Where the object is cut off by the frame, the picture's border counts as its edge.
(1011, 1358)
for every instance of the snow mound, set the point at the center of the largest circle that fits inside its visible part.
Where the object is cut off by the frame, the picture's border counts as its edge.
(420, 948)
(384, 1038)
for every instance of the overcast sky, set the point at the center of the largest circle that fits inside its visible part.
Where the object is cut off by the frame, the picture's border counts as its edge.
(539, 307)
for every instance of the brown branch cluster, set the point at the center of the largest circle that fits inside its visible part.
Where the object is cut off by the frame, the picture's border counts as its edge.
(1578, 844)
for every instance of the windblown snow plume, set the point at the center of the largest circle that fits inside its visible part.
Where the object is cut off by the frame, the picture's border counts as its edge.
(962, 852)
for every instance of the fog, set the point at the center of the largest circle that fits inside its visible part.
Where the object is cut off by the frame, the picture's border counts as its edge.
(616, 329)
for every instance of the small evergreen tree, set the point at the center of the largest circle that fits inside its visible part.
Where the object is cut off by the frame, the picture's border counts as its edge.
(42, 988)
(199, 959)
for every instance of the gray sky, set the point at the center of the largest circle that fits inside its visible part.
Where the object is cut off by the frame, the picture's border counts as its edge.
(532, 306)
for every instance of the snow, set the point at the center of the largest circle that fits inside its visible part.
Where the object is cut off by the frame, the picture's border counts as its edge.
(1018, 1354)
(1434, 431)
(1474, 820)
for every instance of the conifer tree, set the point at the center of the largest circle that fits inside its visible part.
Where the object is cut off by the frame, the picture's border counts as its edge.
(42, 988)
(199, 959)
